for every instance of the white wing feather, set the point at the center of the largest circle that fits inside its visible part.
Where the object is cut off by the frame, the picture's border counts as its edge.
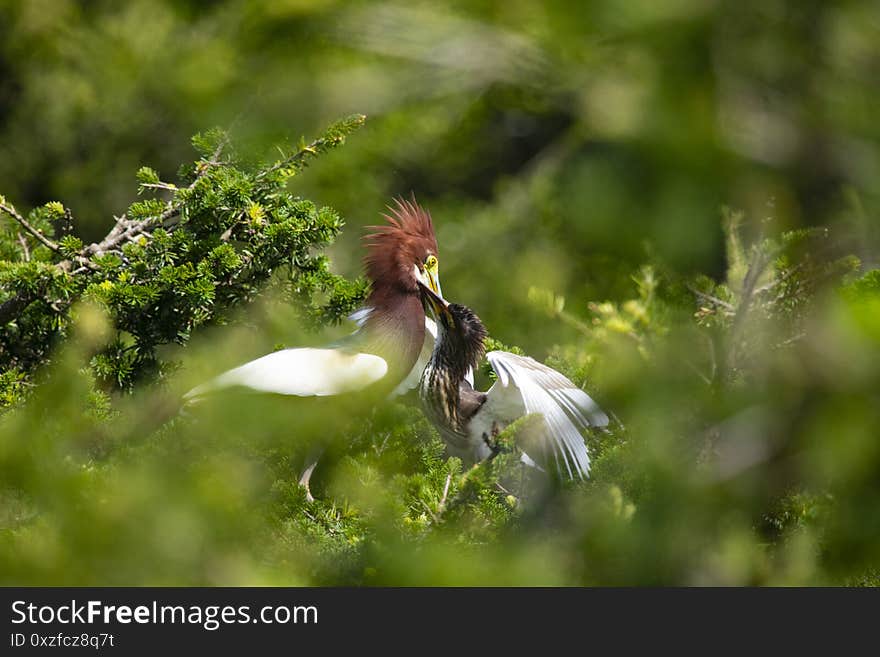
(315, 372)
(526, 386)
(305, 372)
(360, 315)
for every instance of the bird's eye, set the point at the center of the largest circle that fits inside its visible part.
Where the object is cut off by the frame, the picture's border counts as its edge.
(430, 262)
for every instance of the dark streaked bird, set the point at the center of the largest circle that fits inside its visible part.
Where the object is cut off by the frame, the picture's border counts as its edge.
(469, 420)
(394, 338)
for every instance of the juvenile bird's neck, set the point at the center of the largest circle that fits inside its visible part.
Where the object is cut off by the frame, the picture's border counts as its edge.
(439, 390)
(440, 385)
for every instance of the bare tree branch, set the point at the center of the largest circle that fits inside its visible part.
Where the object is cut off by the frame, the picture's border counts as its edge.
(442, 505)
(758, 263)
(24, 248)
(166, 186)
(123, 231)
(45, 241)
(712, 299)
(127, 229)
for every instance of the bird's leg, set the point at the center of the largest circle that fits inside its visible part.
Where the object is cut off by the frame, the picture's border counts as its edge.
(490, 442)
(497, 446)
(311, 461)
(494, 449)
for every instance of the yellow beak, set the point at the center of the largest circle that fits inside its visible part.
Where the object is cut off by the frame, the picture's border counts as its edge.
(436, 303)
(429, 278)
(434, 282)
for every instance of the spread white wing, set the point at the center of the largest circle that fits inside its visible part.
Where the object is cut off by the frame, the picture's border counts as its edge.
(525, 386)
(316, 372)
(304, 372)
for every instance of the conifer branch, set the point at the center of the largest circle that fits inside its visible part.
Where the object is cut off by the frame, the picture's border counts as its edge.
(127, 229)
(334, 136)
(712, 298)
(442, 506)
(26, 252)
(13, 306)
(9, 209)
(760, 260)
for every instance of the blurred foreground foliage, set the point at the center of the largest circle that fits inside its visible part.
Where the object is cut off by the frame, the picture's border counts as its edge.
(745, 450)
(575, 155)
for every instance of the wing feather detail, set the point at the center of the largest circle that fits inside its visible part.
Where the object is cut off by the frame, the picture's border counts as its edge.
(526, 386)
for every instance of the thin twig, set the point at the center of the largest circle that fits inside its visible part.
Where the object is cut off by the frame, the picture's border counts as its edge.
(311, 149)
(24, 247)
(712, 299)
(169, 187)
(127, 229)
(432, 514)
(64, 264)
(223, 143)
(442, 504)
(756, 268)
(705, 379)
(777, 281)
(12, 212)
(123, 230)
(713, 361)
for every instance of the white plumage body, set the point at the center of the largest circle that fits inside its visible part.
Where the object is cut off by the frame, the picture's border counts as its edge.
(305, 372)
(318, 371)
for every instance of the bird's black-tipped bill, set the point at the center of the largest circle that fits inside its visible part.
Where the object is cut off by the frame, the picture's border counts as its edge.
(436, 304)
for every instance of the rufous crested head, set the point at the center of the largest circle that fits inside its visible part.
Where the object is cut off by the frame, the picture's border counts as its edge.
(396, 248)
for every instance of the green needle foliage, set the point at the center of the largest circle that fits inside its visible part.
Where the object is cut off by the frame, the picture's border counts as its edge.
(183, 256)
